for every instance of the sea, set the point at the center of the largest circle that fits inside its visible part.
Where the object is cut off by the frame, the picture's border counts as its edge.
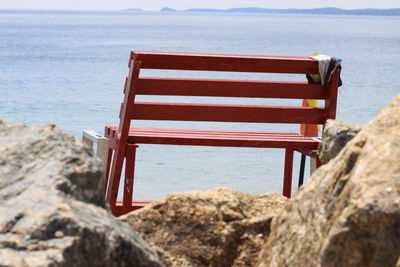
(68, 68)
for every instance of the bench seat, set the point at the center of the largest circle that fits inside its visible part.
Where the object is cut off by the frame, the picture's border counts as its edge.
(194, 137)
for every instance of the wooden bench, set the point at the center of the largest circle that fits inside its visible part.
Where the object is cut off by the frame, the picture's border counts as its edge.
(123, 139)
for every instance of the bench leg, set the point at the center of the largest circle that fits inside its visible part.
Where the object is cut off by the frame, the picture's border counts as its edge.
(302, 167)
(108, 166)
(129, 178)
(287, 180)
(318, 162)
(113, 182)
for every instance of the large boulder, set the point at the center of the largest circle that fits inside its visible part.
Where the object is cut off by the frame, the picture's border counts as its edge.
(336, 135)
(219, 227)
(51, 204)
(348, 213)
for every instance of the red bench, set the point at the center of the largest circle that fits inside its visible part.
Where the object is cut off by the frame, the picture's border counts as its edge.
(124, 139)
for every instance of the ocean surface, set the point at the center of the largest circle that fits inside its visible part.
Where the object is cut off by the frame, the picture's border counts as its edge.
(68, 68)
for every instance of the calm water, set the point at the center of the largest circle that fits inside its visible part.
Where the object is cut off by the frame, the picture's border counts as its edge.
(69, 68)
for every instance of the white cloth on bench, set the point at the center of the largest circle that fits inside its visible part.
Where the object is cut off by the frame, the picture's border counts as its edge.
(326, 65)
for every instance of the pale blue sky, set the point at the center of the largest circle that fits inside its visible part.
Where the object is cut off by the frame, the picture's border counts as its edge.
(184, 4)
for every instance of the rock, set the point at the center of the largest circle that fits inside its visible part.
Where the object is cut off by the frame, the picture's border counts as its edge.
(348, 213)
(219, 227)
(336, 135)
(51, 204)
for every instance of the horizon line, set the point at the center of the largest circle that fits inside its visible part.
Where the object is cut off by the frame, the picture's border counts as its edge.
(194, 8)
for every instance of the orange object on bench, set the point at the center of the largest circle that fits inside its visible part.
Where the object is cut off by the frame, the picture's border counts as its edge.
(124, 139)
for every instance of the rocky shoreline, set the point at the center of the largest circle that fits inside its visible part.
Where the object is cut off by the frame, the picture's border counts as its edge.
(347, 214)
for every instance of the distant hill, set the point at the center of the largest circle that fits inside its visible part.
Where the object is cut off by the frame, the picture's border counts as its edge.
(167, 9)
(204, 10)
(325, 11)
(321, 11)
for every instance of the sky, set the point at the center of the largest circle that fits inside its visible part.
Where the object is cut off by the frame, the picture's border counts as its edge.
(185, 4)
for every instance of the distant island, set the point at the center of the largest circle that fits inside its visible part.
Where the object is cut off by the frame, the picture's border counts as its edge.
(167, 9)
(316, 11)
(134, 9)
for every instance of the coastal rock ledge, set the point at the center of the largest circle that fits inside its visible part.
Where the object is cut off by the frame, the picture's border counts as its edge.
(348, 213)
(218, 227)
(51, 205)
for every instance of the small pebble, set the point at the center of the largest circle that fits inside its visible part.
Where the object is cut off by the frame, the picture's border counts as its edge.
(59, 234)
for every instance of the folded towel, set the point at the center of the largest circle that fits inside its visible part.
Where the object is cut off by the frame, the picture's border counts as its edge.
(326, 66)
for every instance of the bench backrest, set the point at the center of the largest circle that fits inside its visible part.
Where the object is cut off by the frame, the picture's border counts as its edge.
(135, 85)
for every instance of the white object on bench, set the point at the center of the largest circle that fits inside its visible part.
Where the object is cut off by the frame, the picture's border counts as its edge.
(90, 137)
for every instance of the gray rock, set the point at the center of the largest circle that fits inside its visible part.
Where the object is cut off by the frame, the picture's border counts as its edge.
(348, 213)
(336, 135)
(52, 207)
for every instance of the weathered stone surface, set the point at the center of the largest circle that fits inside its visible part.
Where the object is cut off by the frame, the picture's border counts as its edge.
(51, 205)
(336, 135)
(348, 213)
(219, 227)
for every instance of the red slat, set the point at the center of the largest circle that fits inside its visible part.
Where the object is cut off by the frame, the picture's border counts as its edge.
(139, 135)
(112, 129)
(220, 137)
(199, 141)
(227, 113)
(230, 88)
(216, 55)
(172, 130)
(218, 134)
(220, 62)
